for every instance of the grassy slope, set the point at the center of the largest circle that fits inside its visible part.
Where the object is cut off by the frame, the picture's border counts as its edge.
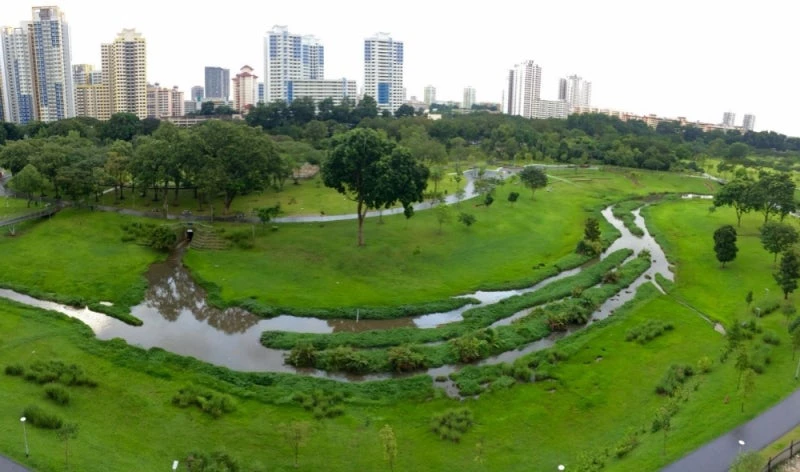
(76, 254)
(504, 244)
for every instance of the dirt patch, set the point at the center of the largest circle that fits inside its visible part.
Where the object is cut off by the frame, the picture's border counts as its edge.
(793, 465)
(307, 171)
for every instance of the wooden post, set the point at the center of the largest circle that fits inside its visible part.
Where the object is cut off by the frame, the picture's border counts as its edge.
(769, 465)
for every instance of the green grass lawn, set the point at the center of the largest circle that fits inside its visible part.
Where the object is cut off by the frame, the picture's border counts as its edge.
(76, 256)
(10, 207)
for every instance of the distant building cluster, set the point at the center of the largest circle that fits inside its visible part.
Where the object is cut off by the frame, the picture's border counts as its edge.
(652, 120)
(522, 93)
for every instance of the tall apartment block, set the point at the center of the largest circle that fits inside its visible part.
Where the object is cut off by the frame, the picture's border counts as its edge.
(245, 89)
(125, 73)
(429, 95)
(575, 91)
(17, 75)
(749, 122)
(197, 93)
(218, 83)
(729, 119)
(523, 89)
(288, 58)
(469, 98)
(383, 71)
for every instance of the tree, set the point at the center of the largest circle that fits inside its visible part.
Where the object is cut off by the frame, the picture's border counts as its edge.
(591, 229)
(207, 108)
(389, 443)
(28, 181)
(404, 110)
(467, 219)
(533, 178)
(788, 273)
(118, 160)
(65, 433)
(488, 200)
(748, 386)
(725, 244)
(366, 108)
(513, 197)
(737, 194)
(372, 171)
(664, 419)
(296, 434)
(749, 298)
(795, 341)
(773, 193)
(443, 215)
(742, 364)
(122, 126)
(267, 213)
(777, 237)
(437, 174)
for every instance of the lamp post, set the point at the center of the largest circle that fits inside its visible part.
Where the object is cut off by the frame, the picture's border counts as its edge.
(25, 435)
(741, 443)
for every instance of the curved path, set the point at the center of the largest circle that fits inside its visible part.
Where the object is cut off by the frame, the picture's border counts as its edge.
(8, 465)
(761, 431)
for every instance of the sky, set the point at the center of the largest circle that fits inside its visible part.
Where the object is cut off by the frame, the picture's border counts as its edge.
(691, 58)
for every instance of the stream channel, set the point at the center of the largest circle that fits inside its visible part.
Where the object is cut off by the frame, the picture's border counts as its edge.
(177, 318)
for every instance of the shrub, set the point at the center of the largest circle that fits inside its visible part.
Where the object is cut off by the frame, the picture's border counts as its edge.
(405, 359)
(303, 354)
(214, 462)
(626, 444)
(40, 418)
(43, 372)
(765, 307)
(760, 358)
(241, 238)
(676, 375)
(451, 424)
(345, 358)
(704, 365)
(503, 382)
(647, 331)
(16, 370)
(160, 238)
(321, 403)
(469, 348)
(214, 403)
(589, 248)
(57, 394)
(770, 337)
(467, 219)
(611, 277)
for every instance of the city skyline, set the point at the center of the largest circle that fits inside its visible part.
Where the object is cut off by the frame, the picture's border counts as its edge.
(640, 58)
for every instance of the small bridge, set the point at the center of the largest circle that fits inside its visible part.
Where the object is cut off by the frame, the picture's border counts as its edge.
(51, 210)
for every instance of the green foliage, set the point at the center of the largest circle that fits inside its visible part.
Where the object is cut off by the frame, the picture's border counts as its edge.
(16, 370)
(266, 214)
(57, 394)
(788, 273)
(513, 197)
(242, 238)
(41, 418)
(43, 372)
(533, 177)
(725, 244)
(467, 219)
(627, 444)
(704, 365)
(488, 200)
(406, 359)
(648, 331)
(303, 354)
(211, 462)
(624, 212)
(765, 307)
(591, 230)
(749, 461)
(469, 348)
(676, 375)
(591, 461)
(771, 337)
(323, 404)
(777, 237)
(346, 359)
(213, 403)
(161, 238)
(589, 248)
(389, 443)
(453, 423)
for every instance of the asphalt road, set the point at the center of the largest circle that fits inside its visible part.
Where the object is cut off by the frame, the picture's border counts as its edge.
(7, 465)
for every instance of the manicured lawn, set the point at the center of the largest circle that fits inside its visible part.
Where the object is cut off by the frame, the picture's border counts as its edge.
(76, 256)
(10, 207)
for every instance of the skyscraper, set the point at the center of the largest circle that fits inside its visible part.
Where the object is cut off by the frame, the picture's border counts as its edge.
(290, 57)
(383, 71)
(218, 83)
(125, 73)
(245, 89)
(469, 98)
(524, 89)
(429, 94)
(749, 122)
(575, 91)
(51, 64)
(197, 93)
(729, 119)
(18, 77)
(261, 92)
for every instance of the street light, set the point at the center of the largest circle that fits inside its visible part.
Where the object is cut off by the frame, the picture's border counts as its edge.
(174, 465)
(741, 443)
(25, 435)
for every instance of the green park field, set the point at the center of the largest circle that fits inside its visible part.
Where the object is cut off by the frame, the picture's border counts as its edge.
(598, 397)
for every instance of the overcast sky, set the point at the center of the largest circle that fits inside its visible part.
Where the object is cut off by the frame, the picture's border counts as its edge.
(692, 58)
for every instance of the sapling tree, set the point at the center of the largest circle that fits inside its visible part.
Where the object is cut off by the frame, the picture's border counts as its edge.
(389, 443)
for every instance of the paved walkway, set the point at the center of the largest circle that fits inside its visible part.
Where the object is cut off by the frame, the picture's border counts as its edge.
(7, 465)
(717, 455)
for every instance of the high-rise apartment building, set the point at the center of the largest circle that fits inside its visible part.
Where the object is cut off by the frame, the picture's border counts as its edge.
(575, 91)
(318, 90)
(163, 102)
(178, 108)
(245, 89)
(218, 83)
(469, 98)
(18, 75)
(289, 57)
(729, 119)
(197, 93)
(3, 109)
(51, 64)
(383, 71)
(749, 122)
(262, 90)
(524, 89)
(93, 101)
(429, 95)
(125, 73)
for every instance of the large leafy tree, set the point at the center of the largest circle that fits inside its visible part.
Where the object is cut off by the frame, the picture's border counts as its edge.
(773, 194)
(739, 194)
(788, 273)
(27, 181)
(368, 168)
(533, 178)
(777, 237)
(725, 244)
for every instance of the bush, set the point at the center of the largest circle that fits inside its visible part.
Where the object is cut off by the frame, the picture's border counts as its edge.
(770, 337)
(16, 370)
(451, 424)
(214, 462)
(57, 394)
(503, 382)
(303, 354)
(626, 444)
(676, 375)
(760, 358)
(405, 359)
(345, 358)
(161, 238)
(43, 372)
(40, 418)
(467, 219)
(241, 238)
(214, 403)
(704, 365)
(469, 348)
(589, 248)
(647, 331)
(323, 404)
(765, 307)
